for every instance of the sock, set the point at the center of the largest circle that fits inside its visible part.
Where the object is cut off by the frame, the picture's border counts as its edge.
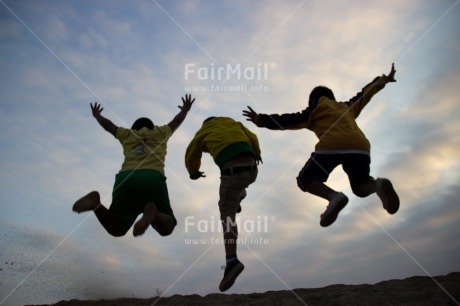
(331, 195)
(229, 259)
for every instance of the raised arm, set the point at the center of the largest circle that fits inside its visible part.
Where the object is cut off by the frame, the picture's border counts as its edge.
(358, 102)
(104, 122)
(179, 118)
(293, 121)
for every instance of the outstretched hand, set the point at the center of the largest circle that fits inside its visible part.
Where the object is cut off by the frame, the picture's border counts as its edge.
(96, 109)
(184, 108)
(104, 122)
(391, 76)
(187, 102)
(251, 115)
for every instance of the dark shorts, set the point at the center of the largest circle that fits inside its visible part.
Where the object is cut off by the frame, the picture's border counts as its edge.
(133, 190)
(319, 166)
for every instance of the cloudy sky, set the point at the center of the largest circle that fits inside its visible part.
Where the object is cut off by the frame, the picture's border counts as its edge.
(137, 58)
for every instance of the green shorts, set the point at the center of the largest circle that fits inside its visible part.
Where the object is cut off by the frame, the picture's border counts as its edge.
(133, 189)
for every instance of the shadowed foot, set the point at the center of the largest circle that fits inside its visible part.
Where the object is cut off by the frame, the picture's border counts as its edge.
(89, 202)
(332, 211)
(232, 271)
(388, 195)
(150, 214)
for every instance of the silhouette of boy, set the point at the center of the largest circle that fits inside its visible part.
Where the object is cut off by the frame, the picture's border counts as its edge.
(140, 186)
(341, 142)
(236, 151)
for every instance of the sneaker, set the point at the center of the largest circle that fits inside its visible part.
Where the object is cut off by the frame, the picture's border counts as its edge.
(231, 273)
(332, 211)
(387, 194)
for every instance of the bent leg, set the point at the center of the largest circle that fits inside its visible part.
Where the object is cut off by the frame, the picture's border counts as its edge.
(311, 179)
(357, 167)
(149, 216)
(319, 189)
(164, 224)
(366, 188)
(315, 172)
(108, 220)
(161, 222)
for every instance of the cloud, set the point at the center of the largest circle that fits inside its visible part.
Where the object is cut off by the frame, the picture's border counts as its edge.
(133, 59)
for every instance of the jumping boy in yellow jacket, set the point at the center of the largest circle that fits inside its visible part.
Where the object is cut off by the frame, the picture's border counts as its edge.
(341, 142)
(236, 151)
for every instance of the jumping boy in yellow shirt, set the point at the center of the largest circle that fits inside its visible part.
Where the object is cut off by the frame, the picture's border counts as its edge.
(341, 142)
(140, 186)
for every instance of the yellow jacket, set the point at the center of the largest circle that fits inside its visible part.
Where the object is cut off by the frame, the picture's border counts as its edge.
(223, 138)
(334, 123)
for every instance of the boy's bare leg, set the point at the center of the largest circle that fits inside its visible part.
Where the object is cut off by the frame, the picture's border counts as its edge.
(92, 201)
(89, 202)
(149, 217)
(320, 189)
(368, 187)
(162, 223)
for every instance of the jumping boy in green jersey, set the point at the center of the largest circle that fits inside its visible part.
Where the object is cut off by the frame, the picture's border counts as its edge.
(140, 186)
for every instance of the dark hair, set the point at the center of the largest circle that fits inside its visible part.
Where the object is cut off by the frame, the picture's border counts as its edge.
(141, 123)
(317, 93)
(210, 118)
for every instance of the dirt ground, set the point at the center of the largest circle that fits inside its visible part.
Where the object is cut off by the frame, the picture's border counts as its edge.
(440, 290)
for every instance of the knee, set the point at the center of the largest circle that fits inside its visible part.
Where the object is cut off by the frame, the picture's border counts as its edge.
(360, 194)
(166, 229)
(360, 191)
(118, 233)
(364, 187)
(303, 183)
(165, 233)
(228, 210)
(306, 184)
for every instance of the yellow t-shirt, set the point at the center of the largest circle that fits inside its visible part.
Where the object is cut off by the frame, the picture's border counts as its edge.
(144, 149)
